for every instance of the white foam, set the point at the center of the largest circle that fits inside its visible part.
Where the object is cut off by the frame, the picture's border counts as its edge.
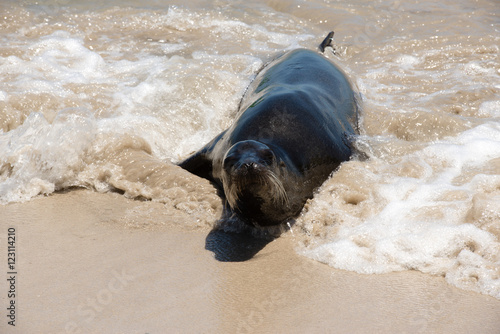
(490, 108)
(422, 223)
(43, 157)
(63, 57)
(3, 96)
(475, 68)
(408, 62)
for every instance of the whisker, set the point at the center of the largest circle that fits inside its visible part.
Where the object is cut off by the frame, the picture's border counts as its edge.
(280, 195)
(234, 188)
(231, 190)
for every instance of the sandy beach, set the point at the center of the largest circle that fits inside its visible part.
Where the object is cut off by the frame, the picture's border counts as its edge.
(85, 264)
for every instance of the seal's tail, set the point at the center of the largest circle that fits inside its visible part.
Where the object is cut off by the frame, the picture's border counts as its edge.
(328, 41)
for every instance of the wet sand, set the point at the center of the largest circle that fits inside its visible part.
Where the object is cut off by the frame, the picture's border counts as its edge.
(102, 263)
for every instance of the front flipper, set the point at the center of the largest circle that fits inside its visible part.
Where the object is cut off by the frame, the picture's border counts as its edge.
(200, 163)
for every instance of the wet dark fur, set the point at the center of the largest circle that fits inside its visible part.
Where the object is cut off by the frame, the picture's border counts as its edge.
(294, 127)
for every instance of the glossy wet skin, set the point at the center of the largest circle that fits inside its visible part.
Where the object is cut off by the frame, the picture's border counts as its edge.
(294, 128)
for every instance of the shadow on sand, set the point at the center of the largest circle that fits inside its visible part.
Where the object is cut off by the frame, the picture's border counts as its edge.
(235, 246)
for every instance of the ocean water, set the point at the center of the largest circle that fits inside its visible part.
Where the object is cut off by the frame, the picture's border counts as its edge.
(109, 96)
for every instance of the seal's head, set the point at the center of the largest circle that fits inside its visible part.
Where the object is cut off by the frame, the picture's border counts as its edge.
(251, 179)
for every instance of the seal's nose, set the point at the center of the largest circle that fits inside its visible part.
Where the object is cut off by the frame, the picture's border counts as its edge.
(248, 166)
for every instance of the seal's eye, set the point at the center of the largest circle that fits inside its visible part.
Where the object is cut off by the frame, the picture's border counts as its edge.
(267, 156)
(230, 161)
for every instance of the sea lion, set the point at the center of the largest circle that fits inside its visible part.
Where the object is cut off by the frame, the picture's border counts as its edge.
(294, 127)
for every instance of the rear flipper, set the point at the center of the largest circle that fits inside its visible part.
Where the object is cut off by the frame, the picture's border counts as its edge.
(328, 41)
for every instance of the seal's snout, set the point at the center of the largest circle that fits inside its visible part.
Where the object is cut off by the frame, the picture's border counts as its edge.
(248, 168)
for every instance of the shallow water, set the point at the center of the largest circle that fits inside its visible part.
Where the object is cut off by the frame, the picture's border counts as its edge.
(109, 96)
